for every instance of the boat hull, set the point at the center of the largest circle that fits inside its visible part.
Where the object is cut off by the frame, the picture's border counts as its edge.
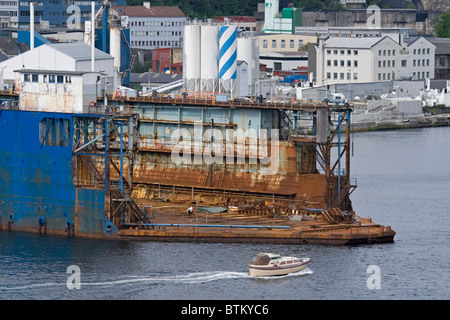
(272, 271)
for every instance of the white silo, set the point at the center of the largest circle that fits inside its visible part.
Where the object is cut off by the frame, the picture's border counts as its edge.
(247, 50)
(209, 71)
(227, 58)
(191, 57)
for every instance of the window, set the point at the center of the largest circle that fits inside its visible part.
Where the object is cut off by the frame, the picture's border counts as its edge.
(335, 75)
(45, 78)
(379, 64)
(274, 43)
(328, 75)
(264, 43)
(355, 52)
(34, 77)
(329, 63)
(51, 78)
(404, 63)
(355, 76)
(291, 44)
(349, 63)
(342, 51)
(335, 63)
(300, 43)
(349, 52)
(355, 63)
(342, 76)
(342, 63)
(283, 43)
(328, 51)
(60, 79)
(26, 77)
(348, 75)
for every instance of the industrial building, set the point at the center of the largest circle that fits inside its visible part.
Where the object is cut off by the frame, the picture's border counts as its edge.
(49, 13)
(280, 23)
(52, 74)
(154, 26)
(373, 59)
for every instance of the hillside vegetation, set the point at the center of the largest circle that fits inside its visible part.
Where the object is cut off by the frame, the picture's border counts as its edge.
(202, 9)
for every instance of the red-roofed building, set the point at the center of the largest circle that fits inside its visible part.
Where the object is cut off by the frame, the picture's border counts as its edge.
(154, 26)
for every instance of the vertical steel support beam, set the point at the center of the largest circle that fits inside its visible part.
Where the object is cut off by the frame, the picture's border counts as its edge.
(105, 27)
(348, 145)
(121, 157)
(339, 157)
(106, 156)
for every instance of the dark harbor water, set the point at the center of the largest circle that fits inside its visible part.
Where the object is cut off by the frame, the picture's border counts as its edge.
(403, 181)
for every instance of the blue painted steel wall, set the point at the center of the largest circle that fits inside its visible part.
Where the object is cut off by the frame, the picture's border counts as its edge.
(36, 180)
(23, 36)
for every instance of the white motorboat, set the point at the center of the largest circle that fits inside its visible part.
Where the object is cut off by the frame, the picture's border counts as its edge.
(270, 264)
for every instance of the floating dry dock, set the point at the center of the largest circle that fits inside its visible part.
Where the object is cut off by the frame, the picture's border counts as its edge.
(253, 171)
(172, 223)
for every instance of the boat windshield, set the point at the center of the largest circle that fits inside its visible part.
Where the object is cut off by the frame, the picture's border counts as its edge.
(260, 259)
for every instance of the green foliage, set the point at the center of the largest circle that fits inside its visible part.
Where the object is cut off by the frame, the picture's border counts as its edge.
(443, 28)
(204, 9)
(141, 68)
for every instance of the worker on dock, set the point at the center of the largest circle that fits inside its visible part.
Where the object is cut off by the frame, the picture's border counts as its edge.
(190, 210)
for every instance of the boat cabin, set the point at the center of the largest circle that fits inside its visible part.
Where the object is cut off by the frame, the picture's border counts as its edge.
(263, 258)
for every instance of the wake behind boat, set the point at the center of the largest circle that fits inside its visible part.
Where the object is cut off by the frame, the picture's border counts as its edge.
(270, 264)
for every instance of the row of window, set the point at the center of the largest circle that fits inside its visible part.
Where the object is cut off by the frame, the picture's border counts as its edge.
(342, 76)
(423, 62)
(46, 78)
(157, 23)
(418, 75)
(381, 76)
(341, 51)
(283, 43)
(8, 13)
(157, 43)
(8, 3)
(383, 52)
(421, 51)
(155, 33)
(342, 63)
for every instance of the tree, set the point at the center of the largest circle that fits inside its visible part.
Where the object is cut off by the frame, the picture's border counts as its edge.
(443, 28)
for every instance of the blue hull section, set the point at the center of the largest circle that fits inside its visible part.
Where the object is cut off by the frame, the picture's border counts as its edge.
(36, 178)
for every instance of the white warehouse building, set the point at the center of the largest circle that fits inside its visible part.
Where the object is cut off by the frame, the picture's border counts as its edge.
(373, 59)
(58, 77)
